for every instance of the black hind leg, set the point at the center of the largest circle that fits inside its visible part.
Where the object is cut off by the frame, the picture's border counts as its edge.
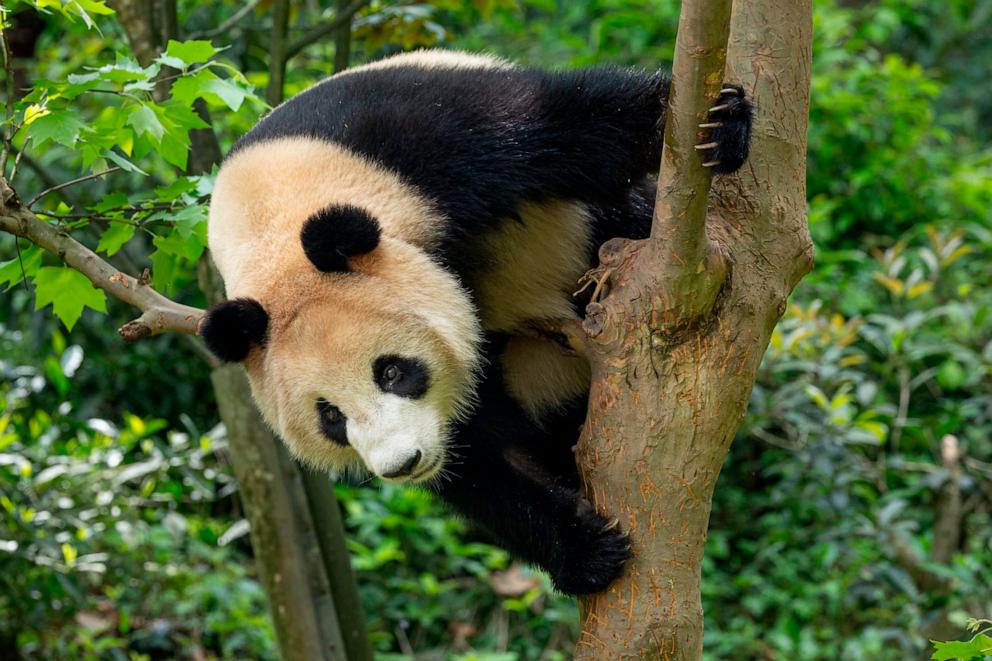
(729, 124)
(518, 482)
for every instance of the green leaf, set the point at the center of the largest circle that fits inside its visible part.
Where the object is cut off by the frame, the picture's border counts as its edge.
(175, 149)
(188, 219)
(61, 126)
(68, 291)
(177, 188)
(207, 85)
(95, 7)
(230, 93)
(124, 163)
(189, 245)
(173, 62)
(190, 52)
(114, 200)
(13, 271)
(180, 116)
(145, 120)
(189, 88)
(978, 647)
(116, 235)
(164, 269)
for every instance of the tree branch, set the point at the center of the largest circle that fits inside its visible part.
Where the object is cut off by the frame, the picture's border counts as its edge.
(67, 184)
(321, 31)
(226, 25)
(684, 184)
(160, 314)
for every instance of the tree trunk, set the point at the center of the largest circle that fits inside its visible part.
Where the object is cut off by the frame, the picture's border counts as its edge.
(676, 342)
(286, 547)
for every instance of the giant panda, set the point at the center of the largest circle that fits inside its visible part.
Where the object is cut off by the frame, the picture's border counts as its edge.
(389, 237)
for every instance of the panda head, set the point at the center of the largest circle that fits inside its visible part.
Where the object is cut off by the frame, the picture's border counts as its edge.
(359, 359)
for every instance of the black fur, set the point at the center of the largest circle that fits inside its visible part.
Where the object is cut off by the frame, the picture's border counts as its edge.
(482, 141)
(334, 234)
(518, 481)
(734, 137)
(231, 328)
(412, 378)
(333, 423)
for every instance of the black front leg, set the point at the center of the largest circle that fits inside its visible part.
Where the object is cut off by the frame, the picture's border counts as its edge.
(505, 480)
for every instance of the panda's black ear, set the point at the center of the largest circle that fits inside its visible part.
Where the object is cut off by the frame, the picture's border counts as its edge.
(231, 328)
(338, 232)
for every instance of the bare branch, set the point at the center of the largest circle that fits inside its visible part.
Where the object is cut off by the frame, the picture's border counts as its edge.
(226, 25)
(67, 184)
(161, 315)
(321, 31)
(684, 183)
(8, 68)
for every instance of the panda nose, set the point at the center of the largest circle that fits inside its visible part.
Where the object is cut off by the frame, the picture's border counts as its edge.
(406, 468)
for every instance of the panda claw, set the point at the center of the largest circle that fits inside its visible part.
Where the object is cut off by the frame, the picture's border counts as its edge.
(708, 145)
(711, 125)
(612, 524)
(729, 90)
(710, 164)
(722, 106)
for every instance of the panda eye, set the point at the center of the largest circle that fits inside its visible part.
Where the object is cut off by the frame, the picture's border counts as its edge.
(333, 423)
(406, 377)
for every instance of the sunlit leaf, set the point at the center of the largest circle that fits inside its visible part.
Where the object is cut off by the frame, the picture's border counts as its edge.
(190, 52)
(61, 126)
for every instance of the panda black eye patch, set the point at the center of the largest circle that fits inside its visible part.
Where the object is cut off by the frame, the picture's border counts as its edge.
(406, 377)
(333, 423)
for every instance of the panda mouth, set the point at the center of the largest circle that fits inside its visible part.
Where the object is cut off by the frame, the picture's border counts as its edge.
(419, 475)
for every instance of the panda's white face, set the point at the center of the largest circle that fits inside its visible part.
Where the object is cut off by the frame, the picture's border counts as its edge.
(350, 388)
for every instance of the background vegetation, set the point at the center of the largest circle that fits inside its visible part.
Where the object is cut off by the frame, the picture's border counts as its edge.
(854, 515)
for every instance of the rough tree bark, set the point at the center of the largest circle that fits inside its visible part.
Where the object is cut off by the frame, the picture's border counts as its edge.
(676, 341)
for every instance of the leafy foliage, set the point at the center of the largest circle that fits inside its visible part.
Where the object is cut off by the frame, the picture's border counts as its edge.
(108, 532)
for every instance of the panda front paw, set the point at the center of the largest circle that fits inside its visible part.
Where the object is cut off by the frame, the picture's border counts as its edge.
(729, 126)
(596, 552)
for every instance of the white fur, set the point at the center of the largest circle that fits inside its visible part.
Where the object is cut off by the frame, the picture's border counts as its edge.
(396, 430)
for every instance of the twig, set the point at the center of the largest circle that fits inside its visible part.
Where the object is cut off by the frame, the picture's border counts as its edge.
(316, 34)
(46, 178)
(66, 184)
(160, 314)
(8, 67)
(226, 25)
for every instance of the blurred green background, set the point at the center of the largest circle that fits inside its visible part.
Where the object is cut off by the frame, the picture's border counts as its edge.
(838, 530)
